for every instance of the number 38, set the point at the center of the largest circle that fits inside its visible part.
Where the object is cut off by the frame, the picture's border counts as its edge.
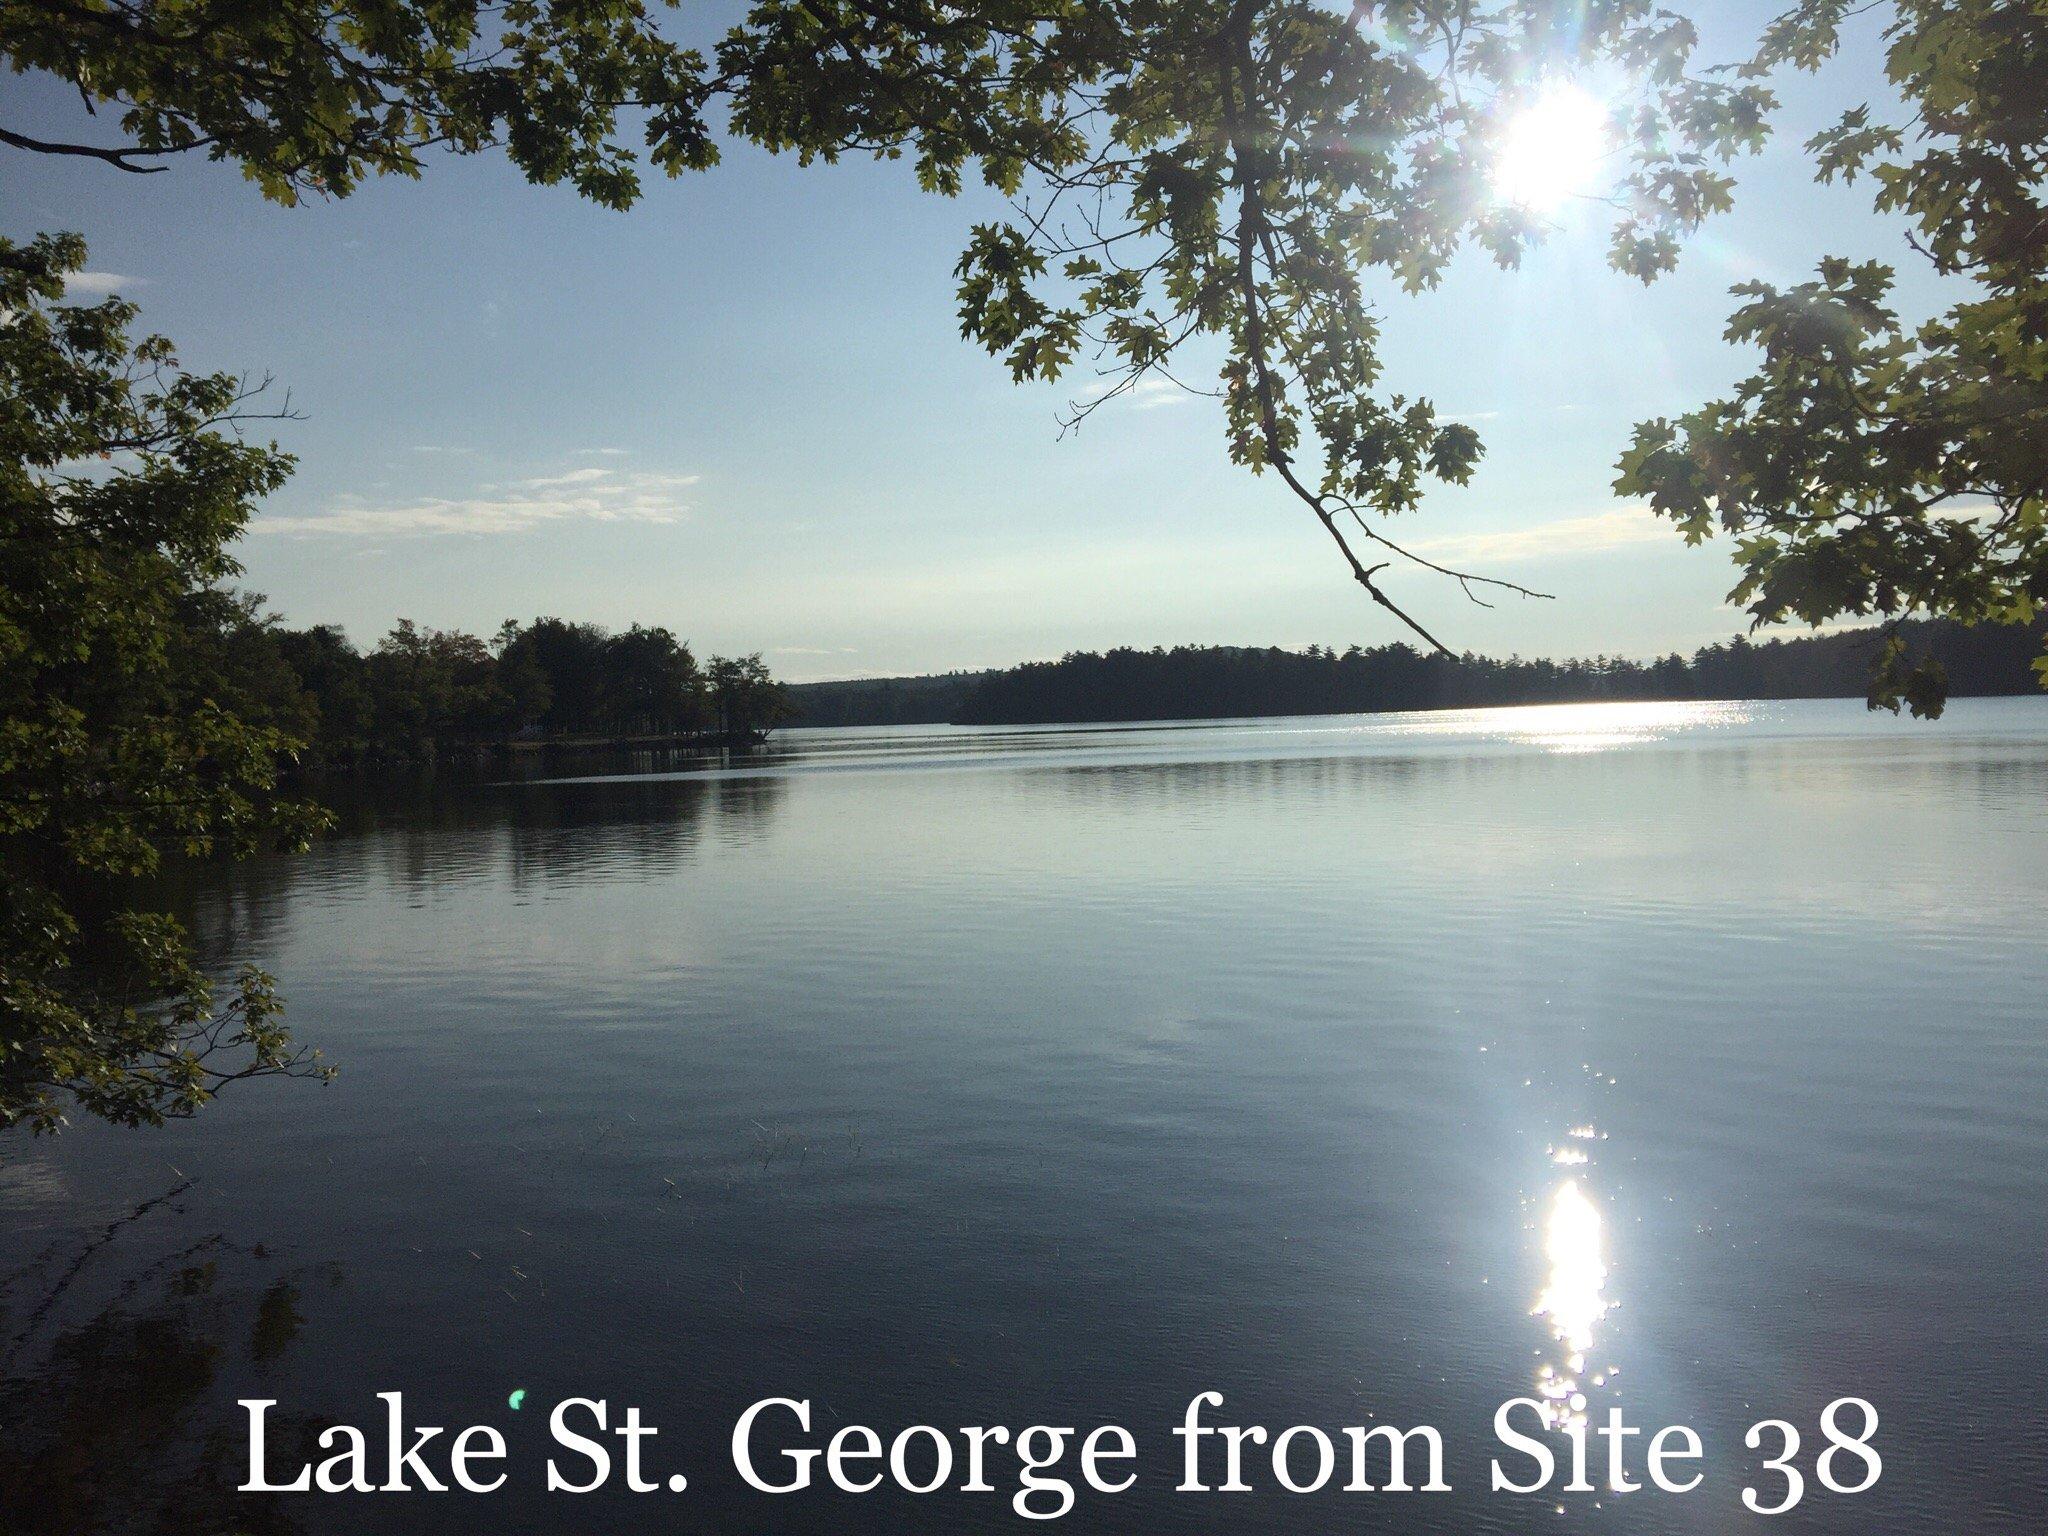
(1839, 1443)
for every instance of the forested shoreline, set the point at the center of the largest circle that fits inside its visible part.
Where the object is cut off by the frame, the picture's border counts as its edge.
(423, 695)
(1193, 682)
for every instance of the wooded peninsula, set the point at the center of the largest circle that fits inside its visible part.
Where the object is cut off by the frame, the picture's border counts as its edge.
(423, 695)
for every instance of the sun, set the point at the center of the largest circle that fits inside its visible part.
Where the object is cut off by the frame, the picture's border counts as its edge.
(1550, 151)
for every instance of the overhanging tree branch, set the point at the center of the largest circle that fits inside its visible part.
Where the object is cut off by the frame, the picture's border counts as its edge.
(119, 158)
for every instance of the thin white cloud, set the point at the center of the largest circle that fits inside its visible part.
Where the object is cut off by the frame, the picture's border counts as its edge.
(1555, 408)
(1793, 631)
(608, 453)
(1153, 391)
(98, 284)
(597, 496)
(440, 448)
(1148, 393)
(1590, 534)
(573, 477)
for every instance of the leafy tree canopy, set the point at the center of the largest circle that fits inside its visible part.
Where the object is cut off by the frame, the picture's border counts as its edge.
(129, 729)
(1180, 169)
(1872, 465)
(311, 97)
(1244, 170)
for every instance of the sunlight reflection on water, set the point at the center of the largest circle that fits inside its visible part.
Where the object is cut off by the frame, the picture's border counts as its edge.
(1574, 1298)
(1549, 729)
(1588, 727)
(1065, 1070)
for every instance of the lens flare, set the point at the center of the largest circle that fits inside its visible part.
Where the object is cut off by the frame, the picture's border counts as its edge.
(1550, 151)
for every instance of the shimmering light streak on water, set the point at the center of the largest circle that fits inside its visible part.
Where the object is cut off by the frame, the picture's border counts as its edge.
(1574, 1298)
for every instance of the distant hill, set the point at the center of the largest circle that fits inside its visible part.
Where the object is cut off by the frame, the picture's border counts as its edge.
(1217, 682)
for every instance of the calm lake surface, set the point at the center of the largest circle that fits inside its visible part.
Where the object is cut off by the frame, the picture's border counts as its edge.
(1363, 1069)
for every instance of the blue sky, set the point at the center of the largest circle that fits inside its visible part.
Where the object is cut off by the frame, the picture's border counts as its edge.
(743, 410)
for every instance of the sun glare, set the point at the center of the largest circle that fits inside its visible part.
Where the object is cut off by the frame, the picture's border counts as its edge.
(1574, 1298)
(1551, 150)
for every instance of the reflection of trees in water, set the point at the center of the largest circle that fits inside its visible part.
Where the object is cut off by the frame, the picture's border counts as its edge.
(747, 806)
(113, 1411)
(436, 834)
(1241, 778)
(566, 835)
(554, 836)
(230, 911)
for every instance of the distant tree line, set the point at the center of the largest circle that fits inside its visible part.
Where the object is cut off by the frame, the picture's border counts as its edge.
(421, 694)
(1220, 682)
(931, 700)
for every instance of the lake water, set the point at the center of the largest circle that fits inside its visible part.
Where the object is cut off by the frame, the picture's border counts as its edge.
(1686, 1058)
